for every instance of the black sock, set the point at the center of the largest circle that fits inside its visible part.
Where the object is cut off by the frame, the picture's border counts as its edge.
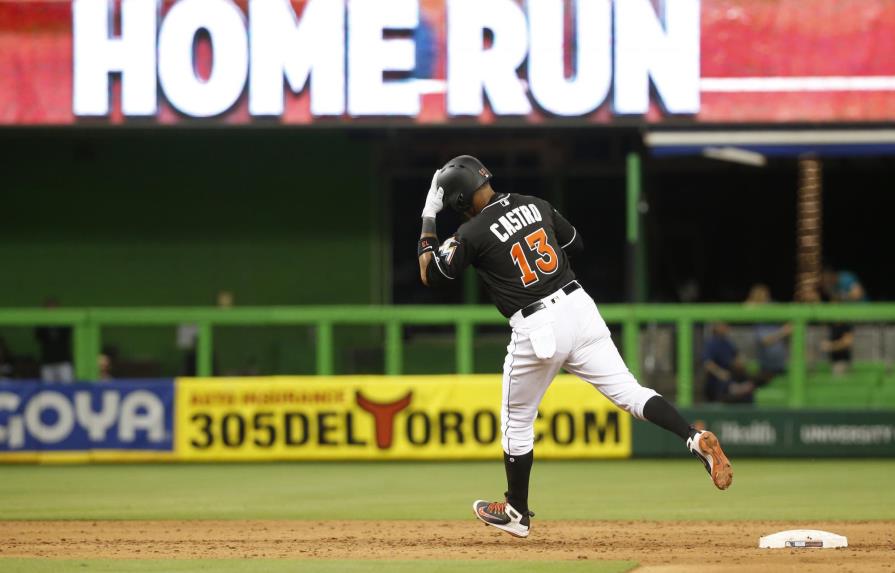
(658, 411)
(518, 473)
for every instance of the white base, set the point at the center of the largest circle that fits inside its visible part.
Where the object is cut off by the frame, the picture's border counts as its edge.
(802, 538)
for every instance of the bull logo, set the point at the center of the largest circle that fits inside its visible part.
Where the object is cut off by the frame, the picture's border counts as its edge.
(384, 416)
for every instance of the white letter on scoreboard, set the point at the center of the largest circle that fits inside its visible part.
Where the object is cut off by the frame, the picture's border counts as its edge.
(369, 55)
(96, 55)
(593, 60)
(643, 50)
(225, 24)
(283, 46)
(472, 68)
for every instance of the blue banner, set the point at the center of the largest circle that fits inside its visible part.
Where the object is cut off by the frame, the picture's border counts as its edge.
(134, 415)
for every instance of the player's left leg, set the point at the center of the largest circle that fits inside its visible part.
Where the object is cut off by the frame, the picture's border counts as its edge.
(702, 444)
(598, 362)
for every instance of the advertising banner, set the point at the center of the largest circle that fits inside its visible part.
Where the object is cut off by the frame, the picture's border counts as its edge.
(78, 422)
(384, 418)
(781, 433)
(435, 62)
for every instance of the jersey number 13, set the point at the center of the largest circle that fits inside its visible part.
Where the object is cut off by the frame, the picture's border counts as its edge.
(546, 262)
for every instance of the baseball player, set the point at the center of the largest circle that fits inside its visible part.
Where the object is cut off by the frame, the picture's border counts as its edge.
(520, 246)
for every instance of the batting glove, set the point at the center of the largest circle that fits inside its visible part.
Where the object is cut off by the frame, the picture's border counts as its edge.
(434, 203)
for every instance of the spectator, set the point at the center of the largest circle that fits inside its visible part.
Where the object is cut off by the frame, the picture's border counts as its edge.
(6, 369)
(839, 347)
(726, 378)
(842, 286)
(689, 291)
(226, 299)
(55, 350)
(188, 334)
(770, 340)
(106, 363)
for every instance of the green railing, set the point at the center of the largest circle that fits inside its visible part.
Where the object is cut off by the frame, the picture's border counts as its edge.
(88, 324)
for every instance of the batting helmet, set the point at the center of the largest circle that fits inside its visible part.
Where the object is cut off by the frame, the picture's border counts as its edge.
(460, 178)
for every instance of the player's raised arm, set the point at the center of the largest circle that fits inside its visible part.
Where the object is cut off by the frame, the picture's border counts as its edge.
(428, 242)
(440, 264)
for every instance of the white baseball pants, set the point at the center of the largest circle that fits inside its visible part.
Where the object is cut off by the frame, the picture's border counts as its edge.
(569, 333)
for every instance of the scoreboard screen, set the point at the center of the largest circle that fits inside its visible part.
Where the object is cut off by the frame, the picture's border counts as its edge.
(437, 62)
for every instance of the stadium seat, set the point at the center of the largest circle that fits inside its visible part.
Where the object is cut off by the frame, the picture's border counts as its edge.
(884, 397)
(774, 393)
(821, 368)
(878, 368)
(842, 397)
(849, 380)
(851, 390)
(858, 367)
(772, 396)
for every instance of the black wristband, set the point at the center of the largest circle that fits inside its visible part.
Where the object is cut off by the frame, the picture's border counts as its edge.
(426, 245)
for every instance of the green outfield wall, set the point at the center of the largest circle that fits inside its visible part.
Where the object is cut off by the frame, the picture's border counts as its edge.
(125, 218)
(103, 218)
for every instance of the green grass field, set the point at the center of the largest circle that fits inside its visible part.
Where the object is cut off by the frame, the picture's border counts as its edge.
(802, 490)
(634, 489)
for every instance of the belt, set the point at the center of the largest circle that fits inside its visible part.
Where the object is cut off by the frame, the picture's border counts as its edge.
(539, 305)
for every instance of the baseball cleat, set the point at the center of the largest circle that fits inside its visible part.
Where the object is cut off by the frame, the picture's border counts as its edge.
(503, 516)
(707, 449)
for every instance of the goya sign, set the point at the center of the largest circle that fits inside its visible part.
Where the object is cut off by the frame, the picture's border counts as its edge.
(433, 417)
(131, 416)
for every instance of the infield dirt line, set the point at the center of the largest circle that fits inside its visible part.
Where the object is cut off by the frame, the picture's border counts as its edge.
(659, 546)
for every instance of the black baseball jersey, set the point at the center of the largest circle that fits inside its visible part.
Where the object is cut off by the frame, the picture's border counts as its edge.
(517, 244)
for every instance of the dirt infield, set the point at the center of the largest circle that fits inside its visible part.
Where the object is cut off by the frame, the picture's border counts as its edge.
(659, 546)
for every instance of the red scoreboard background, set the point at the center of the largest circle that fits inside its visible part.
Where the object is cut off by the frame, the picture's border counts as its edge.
(760, 61)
